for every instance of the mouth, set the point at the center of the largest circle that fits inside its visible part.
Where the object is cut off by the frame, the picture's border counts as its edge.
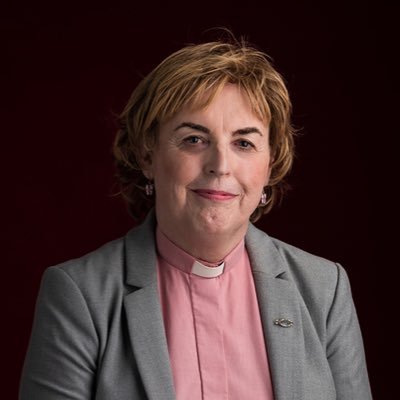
(216, 195)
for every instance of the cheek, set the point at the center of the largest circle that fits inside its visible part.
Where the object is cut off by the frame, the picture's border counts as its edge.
(177, 171)
(256, 178)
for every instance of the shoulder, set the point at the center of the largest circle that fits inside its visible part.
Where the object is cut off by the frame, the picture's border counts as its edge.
(97, 278)
(303, 265)
(104, 273)
(313, 274)
(315, 278)
(288, 259)
(105, 262)
(320, 282)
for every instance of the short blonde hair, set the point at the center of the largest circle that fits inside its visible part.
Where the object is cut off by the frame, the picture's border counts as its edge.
(195, 74)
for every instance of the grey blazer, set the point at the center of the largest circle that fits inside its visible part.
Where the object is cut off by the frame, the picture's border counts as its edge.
(98, 331)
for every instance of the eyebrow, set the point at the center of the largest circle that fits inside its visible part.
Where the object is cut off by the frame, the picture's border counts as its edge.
(201, 128)
(246, 131)
(191, 125)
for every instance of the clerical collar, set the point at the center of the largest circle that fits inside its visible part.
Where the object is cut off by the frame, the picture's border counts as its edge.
(178, 258)
(207, 272)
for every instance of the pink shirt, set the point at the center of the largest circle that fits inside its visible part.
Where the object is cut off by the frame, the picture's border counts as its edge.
(213, 326)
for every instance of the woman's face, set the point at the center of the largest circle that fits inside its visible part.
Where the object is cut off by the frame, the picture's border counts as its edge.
(209, 168)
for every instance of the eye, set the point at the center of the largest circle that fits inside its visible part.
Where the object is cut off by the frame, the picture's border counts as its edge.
(244, 144)
(193, 140)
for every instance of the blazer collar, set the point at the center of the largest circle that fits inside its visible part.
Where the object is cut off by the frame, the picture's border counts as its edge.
(264, 256)
(140, 253)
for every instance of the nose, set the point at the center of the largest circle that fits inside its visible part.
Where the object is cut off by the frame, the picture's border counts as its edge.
(218, 161)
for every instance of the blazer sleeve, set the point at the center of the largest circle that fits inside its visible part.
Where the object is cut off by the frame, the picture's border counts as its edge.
(61, 360)
(345, 350)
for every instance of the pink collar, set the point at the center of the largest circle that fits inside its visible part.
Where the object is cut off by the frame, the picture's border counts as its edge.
(182, 260)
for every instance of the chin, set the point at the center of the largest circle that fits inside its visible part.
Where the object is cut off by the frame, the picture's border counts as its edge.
(216, 221)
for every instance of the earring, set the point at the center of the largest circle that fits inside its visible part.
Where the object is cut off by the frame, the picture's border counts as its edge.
(263, 198)
(149, 189)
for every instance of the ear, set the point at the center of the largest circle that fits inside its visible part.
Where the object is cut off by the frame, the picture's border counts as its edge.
(269, 172)
(146, 164)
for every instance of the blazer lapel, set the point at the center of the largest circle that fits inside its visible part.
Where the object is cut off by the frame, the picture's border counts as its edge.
(278, 298)
(144, 315)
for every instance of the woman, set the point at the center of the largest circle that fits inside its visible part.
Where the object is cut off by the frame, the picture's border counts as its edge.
(196, 303)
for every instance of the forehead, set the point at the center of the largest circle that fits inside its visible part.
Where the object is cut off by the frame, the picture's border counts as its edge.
(229, 103)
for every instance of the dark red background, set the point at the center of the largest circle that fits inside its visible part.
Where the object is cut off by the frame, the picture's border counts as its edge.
(67, 70)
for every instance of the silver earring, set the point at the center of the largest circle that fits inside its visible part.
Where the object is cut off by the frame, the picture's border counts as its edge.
(149, 189)
(263, 198)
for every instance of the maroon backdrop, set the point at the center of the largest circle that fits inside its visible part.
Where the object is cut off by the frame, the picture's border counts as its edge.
(66, 72)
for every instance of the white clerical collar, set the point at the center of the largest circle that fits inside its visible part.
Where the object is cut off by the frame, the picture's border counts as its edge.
(207, 272)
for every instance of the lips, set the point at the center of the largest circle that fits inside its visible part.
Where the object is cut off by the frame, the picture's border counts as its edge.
(217, 195)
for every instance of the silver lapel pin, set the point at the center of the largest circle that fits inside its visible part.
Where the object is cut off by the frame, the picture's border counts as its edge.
(284, 322)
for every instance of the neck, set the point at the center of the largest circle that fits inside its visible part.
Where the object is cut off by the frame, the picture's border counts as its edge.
(209, 247)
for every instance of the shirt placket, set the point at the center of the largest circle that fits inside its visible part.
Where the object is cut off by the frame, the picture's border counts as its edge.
(209, 336)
